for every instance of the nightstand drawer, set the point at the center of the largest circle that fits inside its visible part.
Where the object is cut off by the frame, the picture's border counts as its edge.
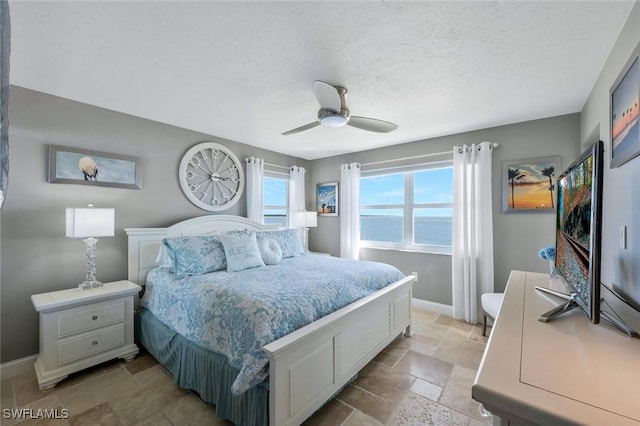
(72, 350)
(91, 318)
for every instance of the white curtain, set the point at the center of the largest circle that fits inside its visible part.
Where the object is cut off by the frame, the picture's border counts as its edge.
(296, 193)
(472, 229)
(350, 211)
(255, 201)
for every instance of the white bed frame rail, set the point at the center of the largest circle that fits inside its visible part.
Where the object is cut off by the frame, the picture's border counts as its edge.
(310, 365)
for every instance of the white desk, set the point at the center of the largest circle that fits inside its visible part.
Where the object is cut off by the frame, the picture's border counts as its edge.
(564, 372)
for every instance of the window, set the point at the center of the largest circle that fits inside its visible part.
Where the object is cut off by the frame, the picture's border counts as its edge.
(410, 210)
(275, 192)
(382, 208)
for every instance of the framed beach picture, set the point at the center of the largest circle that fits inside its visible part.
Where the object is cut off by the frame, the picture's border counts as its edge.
(530, 185)
(327, 199)
(624, 112)
(87, 167)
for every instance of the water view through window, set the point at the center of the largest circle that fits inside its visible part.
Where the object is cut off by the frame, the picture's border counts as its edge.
(275, 200)
(420, 201)
(382, 225)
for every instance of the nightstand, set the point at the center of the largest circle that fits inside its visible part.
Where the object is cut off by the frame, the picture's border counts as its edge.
(319, 253)
(82, 328)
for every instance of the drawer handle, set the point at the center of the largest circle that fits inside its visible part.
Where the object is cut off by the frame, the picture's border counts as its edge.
(95, 317)
(95, 342)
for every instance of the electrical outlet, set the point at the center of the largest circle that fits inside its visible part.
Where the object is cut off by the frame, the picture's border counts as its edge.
(415, 274)
(623, 237)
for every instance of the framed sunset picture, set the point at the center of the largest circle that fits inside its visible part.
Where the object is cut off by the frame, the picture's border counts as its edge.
(530, 185)
(625, 113)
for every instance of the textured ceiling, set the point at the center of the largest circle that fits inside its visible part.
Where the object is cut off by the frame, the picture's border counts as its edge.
(244, 71)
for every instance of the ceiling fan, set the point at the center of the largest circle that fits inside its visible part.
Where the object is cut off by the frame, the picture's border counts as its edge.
(334, 112)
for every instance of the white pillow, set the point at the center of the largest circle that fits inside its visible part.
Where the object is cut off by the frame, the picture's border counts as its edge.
(241, 250)
(164, 258)
(270, 250)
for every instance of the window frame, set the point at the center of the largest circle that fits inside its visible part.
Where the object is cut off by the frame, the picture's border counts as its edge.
(280, 176)
(408, 209)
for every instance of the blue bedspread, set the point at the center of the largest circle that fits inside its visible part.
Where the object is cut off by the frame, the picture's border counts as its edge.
(237, 313)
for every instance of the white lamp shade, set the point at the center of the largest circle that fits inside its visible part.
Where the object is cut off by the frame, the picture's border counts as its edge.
(311, 219)
(305, 219)
(299, 218)
(89, 222)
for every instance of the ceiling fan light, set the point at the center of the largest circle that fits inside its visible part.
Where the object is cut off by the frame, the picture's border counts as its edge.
(333, 121)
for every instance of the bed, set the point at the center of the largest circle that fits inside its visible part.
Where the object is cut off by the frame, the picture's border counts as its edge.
(291, 373)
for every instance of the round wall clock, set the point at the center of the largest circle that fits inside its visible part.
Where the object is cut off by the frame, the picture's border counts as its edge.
(211, 176)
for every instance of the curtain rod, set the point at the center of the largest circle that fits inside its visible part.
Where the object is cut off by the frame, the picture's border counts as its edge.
(493, 145)
(276, 165)
(249, 159)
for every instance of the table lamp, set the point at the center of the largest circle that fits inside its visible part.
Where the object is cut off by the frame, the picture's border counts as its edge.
(89, 223)
(306, 220)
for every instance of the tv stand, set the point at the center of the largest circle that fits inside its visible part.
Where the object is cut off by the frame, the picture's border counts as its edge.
(613, 319)
(608, 315)
(558, 310)
(563, 372)
(555, 293)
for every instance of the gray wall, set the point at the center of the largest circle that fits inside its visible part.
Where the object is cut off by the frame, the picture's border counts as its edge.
(36, 257)
(621, 206)
(517, 237)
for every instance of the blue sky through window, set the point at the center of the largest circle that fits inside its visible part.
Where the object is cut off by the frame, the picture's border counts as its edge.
(433, 186)
(274, 191)
(385, 189)
(430, 186)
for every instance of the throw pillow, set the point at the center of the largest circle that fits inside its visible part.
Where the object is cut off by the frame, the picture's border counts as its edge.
(287, 239)
(196, 255)
(270, 251)
(241, 250)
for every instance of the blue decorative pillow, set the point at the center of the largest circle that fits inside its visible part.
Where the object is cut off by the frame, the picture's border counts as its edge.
(241, 250)
(196, 255)
(287, 239)
(270, 250)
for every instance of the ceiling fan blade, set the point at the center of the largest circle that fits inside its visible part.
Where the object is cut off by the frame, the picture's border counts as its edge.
(301, 128)
(372, 124)
(327, 96)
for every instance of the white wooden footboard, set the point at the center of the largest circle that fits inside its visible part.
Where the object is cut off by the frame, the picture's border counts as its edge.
(308, 366)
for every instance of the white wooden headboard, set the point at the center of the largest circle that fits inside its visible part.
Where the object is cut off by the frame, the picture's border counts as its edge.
(144, 243)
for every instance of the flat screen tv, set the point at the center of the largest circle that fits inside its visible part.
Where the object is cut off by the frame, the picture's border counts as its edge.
(578, 233)
(578, 229)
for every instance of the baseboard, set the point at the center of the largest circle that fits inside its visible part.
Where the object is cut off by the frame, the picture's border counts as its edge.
(17, 367)
(438, 308)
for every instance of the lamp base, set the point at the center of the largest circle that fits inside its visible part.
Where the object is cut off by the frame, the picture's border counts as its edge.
(89, 284)
(305, 237)
(90, 279)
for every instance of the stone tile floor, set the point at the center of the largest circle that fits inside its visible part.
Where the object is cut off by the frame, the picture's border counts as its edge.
(422, 380)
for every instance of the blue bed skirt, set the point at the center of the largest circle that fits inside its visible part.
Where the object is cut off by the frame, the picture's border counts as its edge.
(203, 371)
